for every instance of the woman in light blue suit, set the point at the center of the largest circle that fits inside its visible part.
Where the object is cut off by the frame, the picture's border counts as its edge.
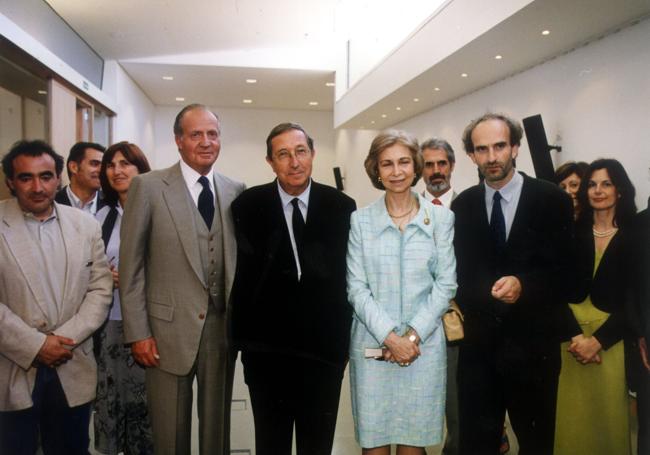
(401, 276)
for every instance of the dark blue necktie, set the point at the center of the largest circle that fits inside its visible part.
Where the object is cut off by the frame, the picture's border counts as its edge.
(298, 225)
(206, 202)
(498, 222)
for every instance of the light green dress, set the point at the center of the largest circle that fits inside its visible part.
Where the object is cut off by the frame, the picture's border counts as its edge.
(592, 402)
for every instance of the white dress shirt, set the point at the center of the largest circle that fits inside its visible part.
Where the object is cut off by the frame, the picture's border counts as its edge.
(303, 203)
(445, 199)
(191, 178)
(90, 207)
(510, 194)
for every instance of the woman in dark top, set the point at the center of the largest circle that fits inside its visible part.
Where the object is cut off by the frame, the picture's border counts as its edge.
(592, 411)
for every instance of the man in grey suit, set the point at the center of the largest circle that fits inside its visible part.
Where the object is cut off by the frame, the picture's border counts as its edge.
(439, 162)
(55, 292)
(177, 262)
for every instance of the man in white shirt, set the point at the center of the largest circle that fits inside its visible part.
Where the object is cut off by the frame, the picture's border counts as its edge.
(439, 161)
(83, 164)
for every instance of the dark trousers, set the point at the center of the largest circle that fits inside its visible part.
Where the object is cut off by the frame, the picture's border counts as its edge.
(285, 391)
(63, 430)
(502, 375)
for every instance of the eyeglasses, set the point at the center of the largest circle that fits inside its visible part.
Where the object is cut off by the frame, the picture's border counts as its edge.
(285, 156)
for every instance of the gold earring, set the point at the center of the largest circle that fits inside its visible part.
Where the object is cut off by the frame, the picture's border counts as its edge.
(379, 179)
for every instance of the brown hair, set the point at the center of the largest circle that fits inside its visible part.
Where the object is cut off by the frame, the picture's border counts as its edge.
(133, 155)
(382, 142)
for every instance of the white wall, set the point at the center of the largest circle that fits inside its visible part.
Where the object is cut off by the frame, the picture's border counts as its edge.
(135, 111)
(243, 141)
(595, 102)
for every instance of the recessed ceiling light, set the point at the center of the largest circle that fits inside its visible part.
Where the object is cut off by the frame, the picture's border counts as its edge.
(398, 108)
(42, 92)
(168, 78)
(463, 75)
(436, 89)
(246, 101)
(415, 100)
(251, 81)
(546, 32)
(330, 84)
(372, 122)
(383, 116)
(498, 57)
(313, 103)
(180, 98)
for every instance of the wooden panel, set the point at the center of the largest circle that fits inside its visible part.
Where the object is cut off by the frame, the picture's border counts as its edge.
(62, 120)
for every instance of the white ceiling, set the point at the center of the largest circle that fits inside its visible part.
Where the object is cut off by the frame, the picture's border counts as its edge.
(291, 47)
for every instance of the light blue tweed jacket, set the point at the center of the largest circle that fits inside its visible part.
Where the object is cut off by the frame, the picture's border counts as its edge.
(399, 280)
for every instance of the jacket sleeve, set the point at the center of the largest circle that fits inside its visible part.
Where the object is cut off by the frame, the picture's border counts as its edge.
(373, 316)
(428, 317)
(136, 224)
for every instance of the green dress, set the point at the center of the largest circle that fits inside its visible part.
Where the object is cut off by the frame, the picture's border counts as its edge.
(592, 402)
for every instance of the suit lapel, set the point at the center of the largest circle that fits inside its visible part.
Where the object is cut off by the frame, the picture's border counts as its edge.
(22, 247)
(71, 236)
(178, 203)
(524, 205)
(225, 195)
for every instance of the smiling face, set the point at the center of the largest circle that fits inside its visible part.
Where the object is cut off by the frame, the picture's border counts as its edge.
(85, 174)
(34, 184)
(437, 171)
(570, 185)
(396, 168)
(493, 153)
(601, 192)
(291, 160)
(200, 142)
(120, 172)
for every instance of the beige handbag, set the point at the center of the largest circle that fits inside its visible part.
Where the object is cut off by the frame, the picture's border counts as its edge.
(452, 321)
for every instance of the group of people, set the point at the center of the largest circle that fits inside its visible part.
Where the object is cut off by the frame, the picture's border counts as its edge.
(173, 272)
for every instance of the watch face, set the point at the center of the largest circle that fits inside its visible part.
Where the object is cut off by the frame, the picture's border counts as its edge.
(412, 338)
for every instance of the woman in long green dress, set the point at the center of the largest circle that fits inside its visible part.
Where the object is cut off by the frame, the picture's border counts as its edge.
(592, 408)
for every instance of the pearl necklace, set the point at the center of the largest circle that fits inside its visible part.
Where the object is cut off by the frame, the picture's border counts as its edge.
(607, 233)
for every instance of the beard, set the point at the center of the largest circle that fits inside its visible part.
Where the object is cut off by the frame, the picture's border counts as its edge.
(438, 187)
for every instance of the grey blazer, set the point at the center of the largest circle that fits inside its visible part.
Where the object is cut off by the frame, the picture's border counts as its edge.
(162, 288)
(24, 318)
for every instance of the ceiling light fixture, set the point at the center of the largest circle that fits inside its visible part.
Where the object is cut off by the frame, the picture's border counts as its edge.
(180, 98)
(383, 116)
(246, 101)
(168, 78)
(251, 81)
(546, 32)
(415, 100)
(42, 92)
(436, 89)
(372, 122)
(498, 57)
(313, 103)
(464, 75)
(398, 108)
(330, 84)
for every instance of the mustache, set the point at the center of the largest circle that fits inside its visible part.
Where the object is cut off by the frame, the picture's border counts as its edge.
(437, 176)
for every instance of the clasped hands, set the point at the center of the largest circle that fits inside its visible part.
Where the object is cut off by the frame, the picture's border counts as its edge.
(55, 351)
(402, 350)
(585, 349)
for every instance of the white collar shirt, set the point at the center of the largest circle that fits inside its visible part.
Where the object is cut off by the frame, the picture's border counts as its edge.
(510, 194)
(287, 207)
(191, 178)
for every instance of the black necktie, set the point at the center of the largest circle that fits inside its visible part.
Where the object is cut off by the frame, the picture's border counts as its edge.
(498, 222)
(298, 224)
(206, 202)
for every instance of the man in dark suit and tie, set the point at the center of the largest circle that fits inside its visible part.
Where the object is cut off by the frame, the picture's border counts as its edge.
(513, 239)
(177, 264)
(291, 315)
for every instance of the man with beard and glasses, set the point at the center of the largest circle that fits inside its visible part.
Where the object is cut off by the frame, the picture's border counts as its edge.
(439, 162)
(513, 233)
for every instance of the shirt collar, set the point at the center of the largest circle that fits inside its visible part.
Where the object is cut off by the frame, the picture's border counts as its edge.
(445, 198)
(508, 191)
(286, 198)
(191, 177)
(76, 202)
(29, 217)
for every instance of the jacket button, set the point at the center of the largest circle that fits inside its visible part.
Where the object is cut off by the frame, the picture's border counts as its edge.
(201, 316)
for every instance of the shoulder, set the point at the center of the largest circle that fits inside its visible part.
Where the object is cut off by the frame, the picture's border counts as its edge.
(467, 196)
(255, 195)
(543, 188)
(62, 196)
(334, 196)
(229, 182)
(83, 220)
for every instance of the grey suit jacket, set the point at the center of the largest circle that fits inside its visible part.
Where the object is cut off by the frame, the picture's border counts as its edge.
(162, 288)
(24, 319)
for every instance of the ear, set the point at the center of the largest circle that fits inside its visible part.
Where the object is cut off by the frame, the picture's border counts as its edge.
(472, 157)
(73, 167)
(177, 139)
(451, 167)
(10, 184)
(515, 151)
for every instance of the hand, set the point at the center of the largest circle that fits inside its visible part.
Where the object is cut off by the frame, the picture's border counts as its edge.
(507, 289)
(585, 349)
(145, 352)
(55, 351)
(402, 350)
(643, 350)
(116, 277)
